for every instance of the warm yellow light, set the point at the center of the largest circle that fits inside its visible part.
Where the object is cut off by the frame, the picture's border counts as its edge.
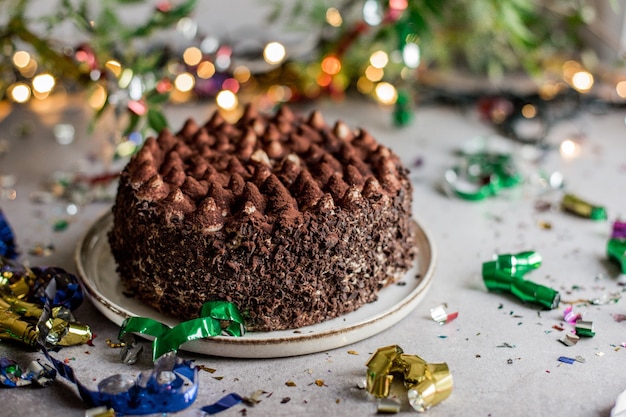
(20, 93)
(192, 56)
(569, 67)
(184, 82)
(205, 70)
(226, 100)
(43, 83)
(386, 93)
(331, 65)
(582, 81)
(529, 111)
(98, 97)
(114, 66)
(333, 17)
(241, 74)
(620, 89)
(364, 85)
(177, 96)
(374, 74)
(569, 149)
(274, 53)
(548, 91)
(30, 69)
(279, 93)
(379, 59)
(21, 59)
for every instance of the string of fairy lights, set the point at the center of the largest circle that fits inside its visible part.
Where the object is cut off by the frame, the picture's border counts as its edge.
(209, 68)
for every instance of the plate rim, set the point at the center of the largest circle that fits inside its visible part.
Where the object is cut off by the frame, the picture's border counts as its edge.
(396, 312)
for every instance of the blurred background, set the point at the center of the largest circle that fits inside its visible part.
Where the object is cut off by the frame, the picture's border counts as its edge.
(129, 59)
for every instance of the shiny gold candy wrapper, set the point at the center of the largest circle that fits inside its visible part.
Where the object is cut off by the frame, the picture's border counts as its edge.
(379, 370)
(13, 327)
(60, 331)
(18, 318)
(428, 383)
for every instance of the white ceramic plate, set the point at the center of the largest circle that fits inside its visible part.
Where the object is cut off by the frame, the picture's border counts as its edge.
(96, 268)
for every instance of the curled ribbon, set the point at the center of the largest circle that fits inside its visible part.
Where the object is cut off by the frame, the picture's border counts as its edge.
(166, 339)
(481, 175)
(506, 273)
(171, 386)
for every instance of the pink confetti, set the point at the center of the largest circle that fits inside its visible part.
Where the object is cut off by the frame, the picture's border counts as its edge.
(569, 316)
(619, 317)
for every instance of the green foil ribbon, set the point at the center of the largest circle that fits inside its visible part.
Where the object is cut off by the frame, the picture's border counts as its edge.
(428, 383)
(506, 274)
(616, 252)
(481, 175)
(576, 205)
(215, 317)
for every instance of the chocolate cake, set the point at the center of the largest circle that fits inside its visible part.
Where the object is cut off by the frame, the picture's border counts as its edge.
(292, 220)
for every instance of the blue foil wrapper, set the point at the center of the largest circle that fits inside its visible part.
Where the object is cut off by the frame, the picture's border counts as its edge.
(8, 248)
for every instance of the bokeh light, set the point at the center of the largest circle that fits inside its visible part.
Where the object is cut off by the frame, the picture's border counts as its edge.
(529, 111)
(582, 81)
(374, 74)
(331, 65)
(231, 84)
(411, 55)
(21, 59)
(333, 17)
(226, 100)
(114, 66)
(386, 93)
(274, 53)
(192, 56)
(98, 97)
(241, 74)
(372, 12)
(569, 149)
(43, 83)
(20, 92)
(184, 82)
(364, 85)
(620, 89)
(379, 59)
(205, 70)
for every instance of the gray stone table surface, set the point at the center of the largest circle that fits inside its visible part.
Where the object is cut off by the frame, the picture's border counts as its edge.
(503, 354)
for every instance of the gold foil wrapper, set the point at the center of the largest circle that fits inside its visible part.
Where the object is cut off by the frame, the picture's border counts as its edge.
(13, 327)
(19, 318)
(76, 334)
(379, 370)
(434, 388)
(428, 383)
(20, 307)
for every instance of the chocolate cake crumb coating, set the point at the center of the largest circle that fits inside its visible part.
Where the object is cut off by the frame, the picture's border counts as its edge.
(292, 220)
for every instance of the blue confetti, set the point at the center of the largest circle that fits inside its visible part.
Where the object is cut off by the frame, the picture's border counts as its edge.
(8, 248)
(567, 360)
(224, 403)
